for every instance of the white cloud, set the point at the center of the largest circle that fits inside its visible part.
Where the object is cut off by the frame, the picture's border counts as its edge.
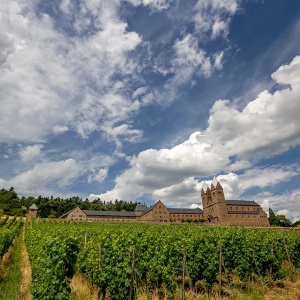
(6, 48)
(267, 126)
(99, 176)
(60, 129)
(284, 212)
(286, 203)
(71, 84)
(44, 175)
(185, 193)
(30, 152)
(165, 169)
(125, 130)
(264, 177)
(155, 5)
(214, 16)
(69, 81)
(190, 58)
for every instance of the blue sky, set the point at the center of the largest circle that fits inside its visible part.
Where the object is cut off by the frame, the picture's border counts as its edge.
(145, 99)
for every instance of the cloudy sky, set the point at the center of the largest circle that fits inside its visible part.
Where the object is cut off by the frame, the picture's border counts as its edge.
(143, 100)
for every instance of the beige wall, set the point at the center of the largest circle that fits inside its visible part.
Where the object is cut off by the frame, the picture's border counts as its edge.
(76, 215)
(184, 217)
(32, 214)
(158, 214)
(110, 219)
(214, 204)
(260, 219)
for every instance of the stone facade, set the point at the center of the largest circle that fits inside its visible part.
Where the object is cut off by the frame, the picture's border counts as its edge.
(157, 213)
(217, 210)
(76, 214)
(32, 212)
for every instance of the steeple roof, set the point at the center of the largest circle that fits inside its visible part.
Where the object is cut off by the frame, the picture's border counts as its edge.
(33, 207)
(215, 181)
(205, 186)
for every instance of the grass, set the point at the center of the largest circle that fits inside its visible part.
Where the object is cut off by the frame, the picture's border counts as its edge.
(12, 276)
(288, 289)
(82, 288)
(26, 272)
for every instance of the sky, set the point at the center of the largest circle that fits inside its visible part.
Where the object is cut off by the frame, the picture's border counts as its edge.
(144, 100)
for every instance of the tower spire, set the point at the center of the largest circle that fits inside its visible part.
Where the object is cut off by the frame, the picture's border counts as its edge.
(204, 187)
(215, 181)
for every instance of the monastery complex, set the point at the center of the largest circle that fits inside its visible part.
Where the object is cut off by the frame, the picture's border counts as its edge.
(216, 210)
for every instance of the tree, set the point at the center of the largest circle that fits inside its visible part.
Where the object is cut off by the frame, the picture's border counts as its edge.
(282, 221)
(278, 220)
(272, 216)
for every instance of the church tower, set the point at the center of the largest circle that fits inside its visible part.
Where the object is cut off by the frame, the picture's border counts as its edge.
(206, 200)
(32, 212)
(214, 205)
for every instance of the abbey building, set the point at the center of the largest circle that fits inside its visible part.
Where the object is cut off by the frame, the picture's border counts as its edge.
(230, 212)
(216, 211)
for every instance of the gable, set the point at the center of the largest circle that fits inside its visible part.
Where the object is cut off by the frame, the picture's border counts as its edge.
(158, 206)
(76, 210)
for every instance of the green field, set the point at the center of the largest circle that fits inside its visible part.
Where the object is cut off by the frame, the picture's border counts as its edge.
(140, 259)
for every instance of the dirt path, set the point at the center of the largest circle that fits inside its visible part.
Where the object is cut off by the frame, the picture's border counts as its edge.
(26, 272)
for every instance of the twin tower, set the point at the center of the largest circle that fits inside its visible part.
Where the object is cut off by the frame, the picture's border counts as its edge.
(214, 203)
(216, 209)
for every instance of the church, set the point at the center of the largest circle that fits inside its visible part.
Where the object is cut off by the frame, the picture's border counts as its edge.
(216, 211)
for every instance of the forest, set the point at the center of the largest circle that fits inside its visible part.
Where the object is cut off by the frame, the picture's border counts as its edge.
(50, 207)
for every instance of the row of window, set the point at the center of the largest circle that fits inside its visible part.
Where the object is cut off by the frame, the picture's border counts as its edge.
(237, 208)
(188, 216)
(248, 216)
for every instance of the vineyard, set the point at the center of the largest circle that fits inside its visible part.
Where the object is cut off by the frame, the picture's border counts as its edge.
(127, 260)
(8, 231)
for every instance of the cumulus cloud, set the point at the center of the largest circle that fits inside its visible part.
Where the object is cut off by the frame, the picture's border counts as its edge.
(30, 152)
(6, 48)
(154, 5)
(84, 76)
(285, 203)
(164, 171)
(64, 67)
(265, 127)
(99, 176)
(60, 129)
(190, 58)
(264, 177)
(43, 175)
(125, 130)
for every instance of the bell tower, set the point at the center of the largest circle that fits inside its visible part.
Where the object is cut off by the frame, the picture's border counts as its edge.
(32, 212)
(213, 201)
(206, 200)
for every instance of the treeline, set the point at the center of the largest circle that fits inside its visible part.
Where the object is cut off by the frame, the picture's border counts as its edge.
(49, 207)
(278, 220)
